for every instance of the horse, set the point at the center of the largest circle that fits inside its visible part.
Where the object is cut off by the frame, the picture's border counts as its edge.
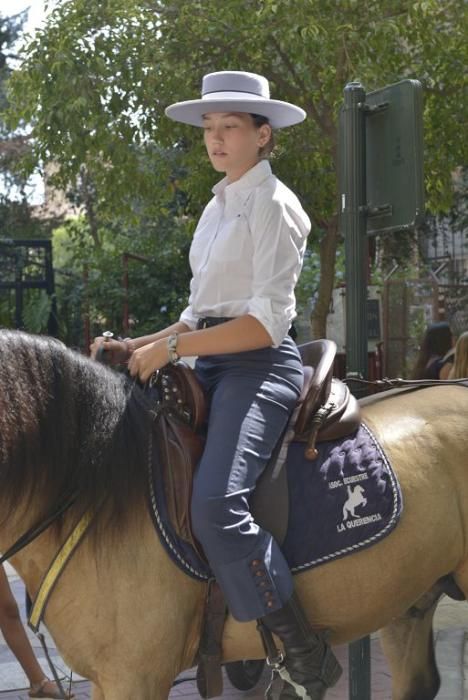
(355, 499)
(123, 614)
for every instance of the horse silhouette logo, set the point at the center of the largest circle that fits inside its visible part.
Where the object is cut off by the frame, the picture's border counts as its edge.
(355, 498)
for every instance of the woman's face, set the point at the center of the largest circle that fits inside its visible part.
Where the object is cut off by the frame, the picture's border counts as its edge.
(232, 141)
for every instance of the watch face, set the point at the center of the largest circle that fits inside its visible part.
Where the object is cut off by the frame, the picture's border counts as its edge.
(171, 347)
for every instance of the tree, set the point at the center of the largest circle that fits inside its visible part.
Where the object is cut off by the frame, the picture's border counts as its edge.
(15, 215)
(96, 79)
(12, 146)
(90, 280)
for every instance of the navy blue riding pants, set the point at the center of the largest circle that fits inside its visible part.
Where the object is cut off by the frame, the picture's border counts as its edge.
(252, 395)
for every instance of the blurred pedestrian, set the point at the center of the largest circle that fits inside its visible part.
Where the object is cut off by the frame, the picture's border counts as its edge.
(436, 343)
(446, 363)
(16, 638)
(460, 365)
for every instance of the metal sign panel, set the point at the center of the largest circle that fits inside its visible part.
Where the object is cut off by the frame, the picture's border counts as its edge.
(394, 157)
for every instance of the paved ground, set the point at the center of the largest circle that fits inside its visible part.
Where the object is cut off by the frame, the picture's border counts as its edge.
(451, 626)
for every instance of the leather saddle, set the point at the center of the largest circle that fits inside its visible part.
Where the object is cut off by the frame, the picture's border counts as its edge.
(326, 410)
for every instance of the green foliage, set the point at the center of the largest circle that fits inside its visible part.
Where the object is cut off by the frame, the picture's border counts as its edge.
(97, 77)
(90, 281)
(95, 81)
(17, 221)
(12, 146)
(309, 282)
(36, 311)
(10, 30)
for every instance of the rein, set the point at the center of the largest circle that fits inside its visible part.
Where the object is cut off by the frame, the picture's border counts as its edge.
(46, 585)
(36, 530)
(400, 383)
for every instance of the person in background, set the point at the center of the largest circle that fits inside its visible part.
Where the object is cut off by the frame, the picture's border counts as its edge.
(460, 366)
(16, 638)
(435, 345)
(446, 364)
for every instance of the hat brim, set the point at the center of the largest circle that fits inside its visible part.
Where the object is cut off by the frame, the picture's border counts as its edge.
(279, 114)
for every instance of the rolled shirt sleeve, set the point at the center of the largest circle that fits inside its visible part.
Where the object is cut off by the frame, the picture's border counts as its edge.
(279, 231)
(188, 316)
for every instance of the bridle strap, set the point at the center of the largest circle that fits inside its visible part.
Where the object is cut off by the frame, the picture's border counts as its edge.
(400, 383)
(36, 530)
(56, 568)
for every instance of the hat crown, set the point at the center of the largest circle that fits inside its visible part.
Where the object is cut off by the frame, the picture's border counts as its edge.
(236, 81)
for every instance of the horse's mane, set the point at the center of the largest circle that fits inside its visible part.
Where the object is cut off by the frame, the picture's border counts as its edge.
(68, 426)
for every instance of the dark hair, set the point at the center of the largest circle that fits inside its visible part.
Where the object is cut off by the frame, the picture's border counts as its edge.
(265, 151)
(436, 341)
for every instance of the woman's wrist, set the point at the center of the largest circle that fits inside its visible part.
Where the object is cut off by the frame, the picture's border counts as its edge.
(129, 347)
(172, 353)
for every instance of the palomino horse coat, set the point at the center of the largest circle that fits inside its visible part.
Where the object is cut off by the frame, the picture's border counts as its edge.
(122, 613)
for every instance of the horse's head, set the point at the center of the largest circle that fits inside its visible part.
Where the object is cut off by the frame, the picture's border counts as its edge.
(68, 426)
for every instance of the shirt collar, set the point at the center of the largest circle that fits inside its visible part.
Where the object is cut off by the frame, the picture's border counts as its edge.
(249, 180)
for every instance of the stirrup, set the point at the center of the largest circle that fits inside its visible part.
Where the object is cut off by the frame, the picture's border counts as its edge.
(274, 657)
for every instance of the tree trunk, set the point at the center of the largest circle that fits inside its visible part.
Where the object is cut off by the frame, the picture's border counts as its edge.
(328, 245)
(89, 198)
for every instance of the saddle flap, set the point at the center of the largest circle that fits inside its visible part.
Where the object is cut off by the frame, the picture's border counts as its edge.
(179, 450)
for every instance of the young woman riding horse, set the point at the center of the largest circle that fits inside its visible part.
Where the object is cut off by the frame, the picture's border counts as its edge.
(246, 257)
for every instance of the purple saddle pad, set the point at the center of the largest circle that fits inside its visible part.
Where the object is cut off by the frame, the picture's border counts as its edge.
(345, 500)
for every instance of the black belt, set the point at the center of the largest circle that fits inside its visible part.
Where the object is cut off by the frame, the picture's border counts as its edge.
(209, 321)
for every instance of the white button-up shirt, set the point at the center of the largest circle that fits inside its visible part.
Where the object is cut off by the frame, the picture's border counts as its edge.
(247, 253)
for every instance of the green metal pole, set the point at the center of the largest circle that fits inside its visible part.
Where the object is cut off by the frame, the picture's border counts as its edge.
(353, 213)
(353, 218)
(359, 669)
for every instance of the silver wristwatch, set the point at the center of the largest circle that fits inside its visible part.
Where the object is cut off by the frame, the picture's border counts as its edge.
(172, 348)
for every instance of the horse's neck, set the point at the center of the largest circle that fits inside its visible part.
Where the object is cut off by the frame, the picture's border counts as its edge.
(32, 561)
(111, 575)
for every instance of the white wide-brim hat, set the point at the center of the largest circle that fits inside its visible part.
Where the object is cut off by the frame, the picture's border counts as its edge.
(236, 91)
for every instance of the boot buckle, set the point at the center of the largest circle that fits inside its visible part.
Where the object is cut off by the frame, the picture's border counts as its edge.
(275, 662)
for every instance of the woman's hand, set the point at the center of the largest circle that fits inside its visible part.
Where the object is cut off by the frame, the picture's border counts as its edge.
(117, 351)
(146, 360)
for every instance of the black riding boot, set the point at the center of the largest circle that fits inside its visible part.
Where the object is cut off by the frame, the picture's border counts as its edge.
(309, 667)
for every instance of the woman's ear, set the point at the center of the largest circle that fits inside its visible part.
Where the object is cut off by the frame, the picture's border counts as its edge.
(264, 135)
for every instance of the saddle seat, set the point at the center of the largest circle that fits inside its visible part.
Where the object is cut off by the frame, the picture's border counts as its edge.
(326, 410)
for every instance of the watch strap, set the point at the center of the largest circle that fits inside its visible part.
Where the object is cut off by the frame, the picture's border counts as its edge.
(172, 348)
